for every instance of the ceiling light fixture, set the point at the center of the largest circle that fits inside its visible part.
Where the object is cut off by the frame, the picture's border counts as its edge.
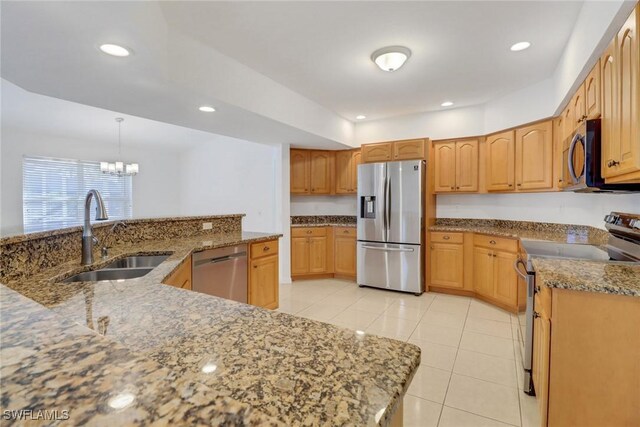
(119, 168)
(391, 58)
(115, 50)
(520, 46)
(447, 104)
(207, 109)
(361, 117)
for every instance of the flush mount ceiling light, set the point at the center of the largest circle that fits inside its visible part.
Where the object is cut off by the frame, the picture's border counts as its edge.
(114, 50)
(520, 46)
(447, 104)
(207, 109)
(361, 117)
(391, 58)
(119, 168)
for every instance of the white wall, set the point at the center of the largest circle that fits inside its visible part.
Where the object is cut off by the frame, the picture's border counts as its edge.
(155, 189)
(563, 208)
(323, 205)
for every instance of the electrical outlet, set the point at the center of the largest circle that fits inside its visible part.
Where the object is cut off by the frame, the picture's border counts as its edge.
(207, 226)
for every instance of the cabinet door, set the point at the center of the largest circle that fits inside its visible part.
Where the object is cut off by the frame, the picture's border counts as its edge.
(467, 165)
(321, 165)
(181, 278)
(344, 172)
(627, 152)
(540, 364)
(264, 282)
(500, 162)
(408, 150)
(345, 253)
(592, 92)
(299, 161)
(447, 265)
(505, 288)
(299, 255)
(609, 110)
(534, 156)
(578, 106)
(376, 152)
(558, 153)
(567, 121)
(318, 254)
(356, 160)
(445, 167)
(483, 271)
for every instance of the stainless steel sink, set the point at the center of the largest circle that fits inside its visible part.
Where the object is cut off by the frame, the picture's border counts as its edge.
(138, 261)
(108, 274)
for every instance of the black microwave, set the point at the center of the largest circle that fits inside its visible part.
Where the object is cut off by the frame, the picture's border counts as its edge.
(582, 162)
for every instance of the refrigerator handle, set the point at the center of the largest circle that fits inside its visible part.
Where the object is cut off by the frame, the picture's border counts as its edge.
(388, 208)
(384, 209)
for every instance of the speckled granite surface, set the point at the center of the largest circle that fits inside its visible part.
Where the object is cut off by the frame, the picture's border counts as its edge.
(592, 276)
(524, 230)
(323, 221)
(52, 364)
(295, 370)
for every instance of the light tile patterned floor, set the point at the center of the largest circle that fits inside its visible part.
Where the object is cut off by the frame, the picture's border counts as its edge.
(470, 371)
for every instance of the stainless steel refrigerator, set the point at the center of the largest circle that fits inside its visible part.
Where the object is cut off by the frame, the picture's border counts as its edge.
(390, 225)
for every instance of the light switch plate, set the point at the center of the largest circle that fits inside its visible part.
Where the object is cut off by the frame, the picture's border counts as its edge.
(207, 226)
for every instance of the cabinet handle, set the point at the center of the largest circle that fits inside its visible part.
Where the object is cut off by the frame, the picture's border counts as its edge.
(537, 289)
(494, 255)
(346, 231)
(266, 248)
(308, 231)
(493, 242)
(612, 163)
(446, 237)
(536, 314)
(510, 185)
(519, 184)
(453, 188)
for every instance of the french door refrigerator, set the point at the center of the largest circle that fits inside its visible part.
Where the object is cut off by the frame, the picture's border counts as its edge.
(390, 225)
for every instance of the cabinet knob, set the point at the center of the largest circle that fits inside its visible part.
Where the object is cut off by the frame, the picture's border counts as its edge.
(453, 188)
(308, 231)
(493, 242)
(612, 163)
(536, 314)
(519, 184)
(510, 185)
(346, 231)
(266, 248)
(446, 237)
(457, 188)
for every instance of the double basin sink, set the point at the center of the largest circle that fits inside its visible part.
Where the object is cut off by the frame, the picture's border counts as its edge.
(125, 268)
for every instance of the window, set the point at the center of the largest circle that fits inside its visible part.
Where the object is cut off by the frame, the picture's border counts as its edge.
(53, 192)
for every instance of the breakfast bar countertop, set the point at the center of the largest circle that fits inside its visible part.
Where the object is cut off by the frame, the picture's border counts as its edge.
(285, 368)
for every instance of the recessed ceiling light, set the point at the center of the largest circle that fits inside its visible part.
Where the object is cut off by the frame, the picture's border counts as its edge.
(207, 109)
(520, 46)
(114, 50)
(390, 58)
(447, 104)
(361, 117)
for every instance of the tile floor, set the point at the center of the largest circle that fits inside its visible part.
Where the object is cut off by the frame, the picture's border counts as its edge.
(470, 374)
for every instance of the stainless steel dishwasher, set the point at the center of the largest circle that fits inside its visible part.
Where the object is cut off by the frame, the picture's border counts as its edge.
(222, 272)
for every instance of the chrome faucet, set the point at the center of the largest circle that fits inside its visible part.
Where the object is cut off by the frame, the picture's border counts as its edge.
(88, 239)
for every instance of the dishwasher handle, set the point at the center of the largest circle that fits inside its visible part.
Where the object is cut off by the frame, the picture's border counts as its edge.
(220, 259)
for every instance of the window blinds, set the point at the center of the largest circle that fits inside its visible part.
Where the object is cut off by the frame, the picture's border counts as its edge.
(53, 192)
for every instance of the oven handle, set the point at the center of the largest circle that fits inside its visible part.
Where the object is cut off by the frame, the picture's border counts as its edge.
(572, 147)
(516, 266)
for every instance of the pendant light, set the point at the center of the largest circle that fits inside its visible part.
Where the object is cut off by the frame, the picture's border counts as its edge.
(119, 168)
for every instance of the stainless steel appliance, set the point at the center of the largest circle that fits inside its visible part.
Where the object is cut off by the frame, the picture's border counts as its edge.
(582, 162)
(623, 246)
(221, 272)
(390, 225)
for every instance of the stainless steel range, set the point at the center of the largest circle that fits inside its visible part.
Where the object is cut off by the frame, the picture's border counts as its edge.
(623, 246)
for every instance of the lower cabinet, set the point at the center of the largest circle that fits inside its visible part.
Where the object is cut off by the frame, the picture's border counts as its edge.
(181, 277)
(447, 260)
(345, 251)
(264, 278)
(323, 252)
(540, 361)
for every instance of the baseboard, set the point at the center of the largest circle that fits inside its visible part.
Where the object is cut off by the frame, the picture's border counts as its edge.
(323, 276)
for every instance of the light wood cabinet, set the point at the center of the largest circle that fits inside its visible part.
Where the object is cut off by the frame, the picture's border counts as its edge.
(540, 364)
(592, 93)
(181, 277)
(380, 152)
(534, 156)
(578, 108)
(447, 265)
(483, 271)
(321, 170)
(345, 251)
(299, 255)
(620, 75)
(311, 251)
(300, 171)
(493, 274)
(500, 149)
(506, 278)
(409, 149)
(346, 174)
(456, 166)
(264, 282)
(318, 254)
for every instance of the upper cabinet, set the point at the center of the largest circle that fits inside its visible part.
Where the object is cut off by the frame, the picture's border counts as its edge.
(347, 162)
(534, 156)
(578, 108)
(592, 93)
(456, 166)
(410, 149)
(321, 172)
(311, 172)
(500, 161)
(300, 171)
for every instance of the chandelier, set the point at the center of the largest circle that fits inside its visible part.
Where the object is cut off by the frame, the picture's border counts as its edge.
(119, 168)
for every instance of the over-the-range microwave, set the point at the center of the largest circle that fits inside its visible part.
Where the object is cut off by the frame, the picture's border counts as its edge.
(582, 162)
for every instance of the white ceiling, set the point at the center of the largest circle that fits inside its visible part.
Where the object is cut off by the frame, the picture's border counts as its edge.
(279, 71)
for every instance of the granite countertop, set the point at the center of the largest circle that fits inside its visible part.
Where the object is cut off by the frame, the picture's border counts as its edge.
(285, 368)
(549, 234)
(592, 276)
(323, 221)
(326, 224)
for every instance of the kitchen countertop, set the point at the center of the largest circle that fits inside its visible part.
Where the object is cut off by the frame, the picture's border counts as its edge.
(291, 369)
(325, 224)
(550, 234)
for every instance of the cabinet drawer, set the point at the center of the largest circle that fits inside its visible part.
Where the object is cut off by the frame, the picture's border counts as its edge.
(345, 231)
(493, 242)
(446, 237)
(542, 301)
(260, 249)
(308, 231)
